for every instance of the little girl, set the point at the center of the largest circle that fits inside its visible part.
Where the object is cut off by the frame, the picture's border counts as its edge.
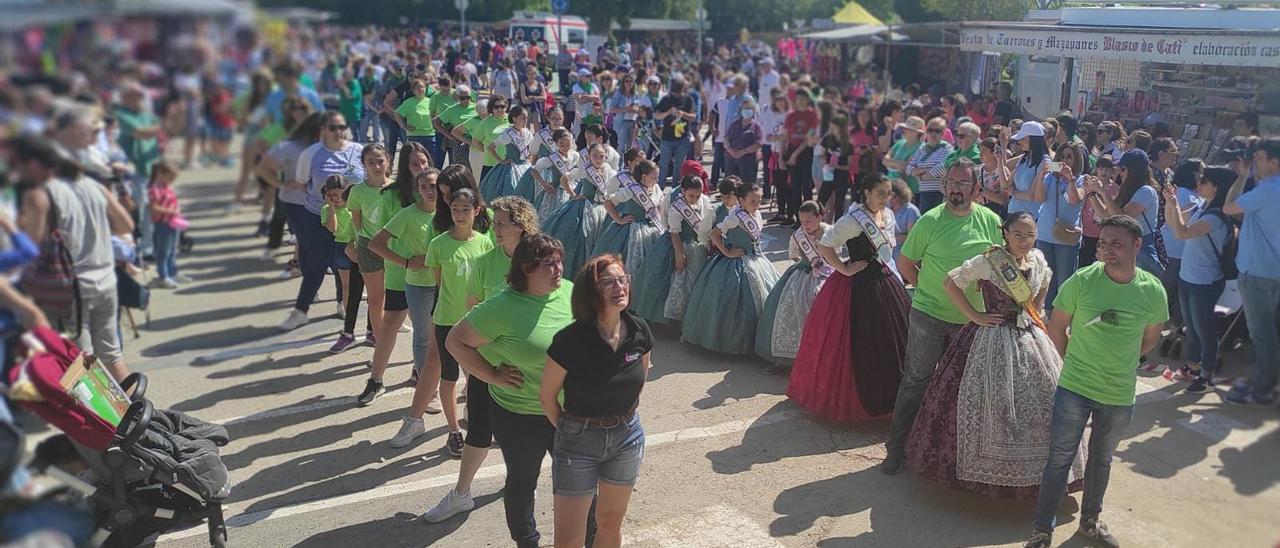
(169, 223)
(785, 311)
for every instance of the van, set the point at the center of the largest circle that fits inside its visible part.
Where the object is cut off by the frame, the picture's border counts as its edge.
(534, 26)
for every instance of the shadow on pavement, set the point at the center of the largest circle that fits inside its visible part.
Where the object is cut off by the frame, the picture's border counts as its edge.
(323, 437)
(401, 530)
(1252, 470)
(210, 340)
(215, 315)
(775, 441)
(267, 387)
(745, 376)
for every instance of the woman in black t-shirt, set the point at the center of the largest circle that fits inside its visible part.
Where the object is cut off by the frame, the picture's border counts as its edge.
(600, 361)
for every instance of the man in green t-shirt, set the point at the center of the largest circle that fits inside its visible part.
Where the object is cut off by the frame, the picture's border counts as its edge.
(943, 239)
(351, 99)
(1115, 312)
(967, 138)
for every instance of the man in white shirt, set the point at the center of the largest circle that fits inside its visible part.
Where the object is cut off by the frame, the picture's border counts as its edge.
(768, 78)
(726, 111)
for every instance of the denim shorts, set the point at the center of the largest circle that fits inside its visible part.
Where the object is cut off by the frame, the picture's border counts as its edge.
(584, 456)
(340, 259)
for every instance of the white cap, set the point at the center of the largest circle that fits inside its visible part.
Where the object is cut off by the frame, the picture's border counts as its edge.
(1029, 129)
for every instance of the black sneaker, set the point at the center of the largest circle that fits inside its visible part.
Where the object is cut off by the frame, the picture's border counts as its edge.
(1097, 532)
(1199, 386)
(1039, 539)
(372, 389)
(454, 444)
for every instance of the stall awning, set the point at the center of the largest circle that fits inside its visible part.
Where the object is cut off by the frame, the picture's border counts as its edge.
(860, 33)
(656, 25)
(1246, 48)
(854, 14)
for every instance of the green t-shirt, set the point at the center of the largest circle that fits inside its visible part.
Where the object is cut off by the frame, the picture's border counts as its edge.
(412, 234)
(520, 327)
(903, 151)
(352, 105)
(273, 134)
(1107, 323)
(457, 114)
(393, 272)
(490, 129)
(141, 152)
(489, 274)
(417, 114)
(972, 153)
(439, 102)
(346, 231)
(368, 201)
(453, 258)
(942, 241)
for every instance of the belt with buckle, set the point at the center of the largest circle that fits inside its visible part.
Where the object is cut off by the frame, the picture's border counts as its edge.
(608, 421)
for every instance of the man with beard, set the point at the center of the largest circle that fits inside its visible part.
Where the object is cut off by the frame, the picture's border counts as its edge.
(941, 240)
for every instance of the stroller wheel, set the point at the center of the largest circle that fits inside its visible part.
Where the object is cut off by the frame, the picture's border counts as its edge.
(1176, 351)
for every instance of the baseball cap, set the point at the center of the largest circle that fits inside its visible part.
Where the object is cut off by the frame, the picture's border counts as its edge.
(766, 61)
(1134, 159)
(1029, 129)
(584, 72)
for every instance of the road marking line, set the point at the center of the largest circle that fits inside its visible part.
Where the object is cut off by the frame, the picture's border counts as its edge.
(492, 471)
(711, 527)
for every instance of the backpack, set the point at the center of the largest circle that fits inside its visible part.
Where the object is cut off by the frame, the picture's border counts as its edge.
(1226, 259)
(50, 280)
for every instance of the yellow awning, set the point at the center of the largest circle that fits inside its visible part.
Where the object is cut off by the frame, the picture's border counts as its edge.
(854, 14)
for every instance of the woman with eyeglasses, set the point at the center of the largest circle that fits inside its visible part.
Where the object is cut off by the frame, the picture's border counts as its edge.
(727, 299)
(513, 220)
(503, 342)
(600, 362)
(862, 305)
(984, 424)
(1184, 181)
(333, 155)
(1111, 139)
(512, 146)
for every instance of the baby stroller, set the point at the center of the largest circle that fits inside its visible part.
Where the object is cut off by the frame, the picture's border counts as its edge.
(155, 471)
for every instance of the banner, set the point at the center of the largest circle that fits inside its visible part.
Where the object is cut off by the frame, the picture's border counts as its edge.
(1189, 49)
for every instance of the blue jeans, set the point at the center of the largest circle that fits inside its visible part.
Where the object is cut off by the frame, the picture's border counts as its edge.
(929, 199)
(672, 153)
(1261, 300)
(717, 161)
(370, 129)
(1071, 412)
(745, 168)
(392, 135)
(422, 303)
(432, 144)
(1062, 260)
(1148, 259)
(315, 251)
(585, 456)
(1197, 302)
(626, 131)
(146, 227)
(166, 239)
(927, 340)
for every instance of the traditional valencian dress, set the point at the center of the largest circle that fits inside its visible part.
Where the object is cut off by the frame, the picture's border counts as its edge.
(854, 343)
(543, 146)
(730, 292)
(577, 223)
(782, 321)
(632, 240)
(661, 294)
(984, 424)
(551, 168)
(502, 179)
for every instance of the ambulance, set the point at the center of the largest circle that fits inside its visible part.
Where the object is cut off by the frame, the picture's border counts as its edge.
(534, 26)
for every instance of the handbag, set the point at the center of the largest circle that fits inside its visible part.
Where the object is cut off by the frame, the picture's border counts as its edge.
(130, 292)
(51, 278)
(1063, 232)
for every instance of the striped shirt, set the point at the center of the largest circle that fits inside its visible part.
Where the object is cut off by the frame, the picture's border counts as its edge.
(935, 160)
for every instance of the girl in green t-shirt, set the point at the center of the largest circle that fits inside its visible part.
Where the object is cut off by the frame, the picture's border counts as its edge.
(365, 203)
(463, 238)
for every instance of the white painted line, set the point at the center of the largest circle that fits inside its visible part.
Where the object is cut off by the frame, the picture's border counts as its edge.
(712, 527)
(492, 471)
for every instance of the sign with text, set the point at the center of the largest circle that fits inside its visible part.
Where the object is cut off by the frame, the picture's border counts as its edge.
(1191, 49)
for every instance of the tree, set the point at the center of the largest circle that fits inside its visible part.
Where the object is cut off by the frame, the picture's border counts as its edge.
(977, 10)
(914, 11)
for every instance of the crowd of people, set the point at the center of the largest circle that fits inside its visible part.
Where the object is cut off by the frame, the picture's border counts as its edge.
(987, 282)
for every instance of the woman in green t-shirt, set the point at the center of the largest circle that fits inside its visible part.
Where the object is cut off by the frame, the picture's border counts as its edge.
(463, 237)
(403, 243)
(365, 203)
(514, 219)
(503, 341)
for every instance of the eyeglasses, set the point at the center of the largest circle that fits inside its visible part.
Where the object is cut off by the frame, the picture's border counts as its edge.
(615, 281)
(336, 127)
(935, 131)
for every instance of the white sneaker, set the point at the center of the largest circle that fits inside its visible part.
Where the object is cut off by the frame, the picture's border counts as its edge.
(404, 328)
(182, 279)
(433, 406)
(168, 283)
(451, 505)
(410, 429)
(268, 254)
(342, 311)
(290, 273)
(296, 319)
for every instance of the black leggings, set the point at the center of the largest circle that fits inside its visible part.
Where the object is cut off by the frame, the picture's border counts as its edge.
(479, 427)
(448, 364)
(835, 192)
(275, 232)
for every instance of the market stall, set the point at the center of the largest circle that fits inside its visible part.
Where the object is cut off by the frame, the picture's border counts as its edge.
(1149, 67)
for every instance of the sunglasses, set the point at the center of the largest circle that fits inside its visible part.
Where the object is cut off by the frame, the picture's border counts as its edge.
(335, 127)
(935, 131)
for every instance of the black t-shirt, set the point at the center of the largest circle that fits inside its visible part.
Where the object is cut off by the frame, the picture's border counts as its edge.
(683, 103)
(600, 381)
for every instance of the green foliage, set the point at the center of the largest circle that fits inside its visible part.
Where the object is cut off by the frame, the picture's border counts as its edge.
(977, 10)
(914, 11)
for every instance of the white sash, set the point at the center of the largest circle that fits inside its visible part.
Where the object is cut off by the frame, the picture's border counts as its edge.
(545, 135)
(596, 177)
(882, 242)
(690, 216)
(749, 224)
(517, 139)
(643, 198)
(560, 162)
(806, 245)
